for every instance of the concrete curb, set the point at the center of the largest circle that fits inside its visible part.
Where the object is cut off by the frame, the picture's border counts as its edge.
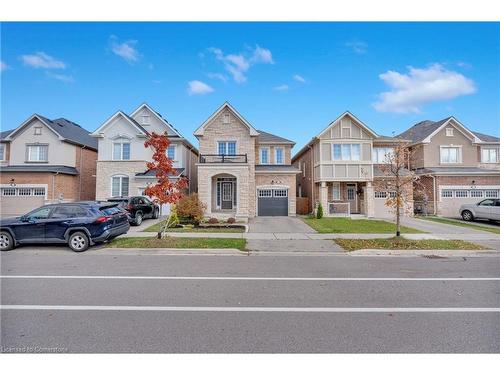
(419, 253)
(167, 251)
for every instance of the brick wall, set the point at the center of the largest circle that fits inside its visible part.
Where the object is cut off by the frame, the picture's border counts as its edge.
(86, 164)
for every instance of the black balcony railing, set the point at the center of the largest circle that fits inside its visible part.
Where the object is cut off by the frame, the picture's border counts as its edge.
(215, 158)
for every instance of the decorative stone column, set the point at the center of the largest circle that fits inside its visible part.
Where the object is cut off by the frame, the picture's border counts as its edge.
(323, 197)
(369, 200)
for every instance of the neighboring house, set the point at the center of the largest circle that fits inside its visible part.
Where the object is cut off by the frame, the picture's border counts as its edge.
(122, 157)
(340, 168)
(243, 172)
(456, 165)
(45, 161)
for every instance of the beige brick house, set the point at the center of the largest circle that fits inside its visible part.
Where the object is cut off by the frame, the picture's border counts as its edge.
(45, 161)
(456, 165)
(243, 172)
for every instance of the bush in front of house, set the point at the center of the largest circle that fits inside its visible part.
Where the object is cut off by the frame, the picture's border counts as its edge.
(319, 211)
(213, 220)
(191, 209)
(231, 220)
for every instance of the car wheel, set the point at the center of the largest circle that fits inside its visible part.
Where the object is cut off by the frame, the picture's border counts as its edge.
(138, 219)
(6, 241)
(78, 242)
(156, 214)
(467, 215)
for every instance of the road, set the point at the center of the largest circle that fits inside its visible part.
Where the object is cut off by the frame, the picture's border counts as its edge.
(137, 301)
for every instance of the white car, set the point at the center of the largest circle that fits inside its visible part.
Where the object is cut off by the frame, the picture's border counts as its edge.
(486, 209)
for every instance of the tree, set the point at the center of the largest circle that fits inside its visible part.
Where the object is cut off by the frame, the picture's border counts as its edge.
(164, 190)
(398, 181)
(319, 211)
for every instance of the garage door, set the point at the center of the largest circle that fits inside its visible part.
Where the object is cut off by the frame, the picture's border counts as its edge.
(17, 201)
(272, 202)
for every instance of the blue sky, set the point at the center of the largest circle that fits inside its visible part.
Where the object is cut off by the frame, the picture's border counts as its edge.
(291, 79)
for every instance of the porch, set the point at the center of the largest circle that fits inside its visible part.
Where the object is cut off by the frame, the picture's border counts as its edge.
(346, 198)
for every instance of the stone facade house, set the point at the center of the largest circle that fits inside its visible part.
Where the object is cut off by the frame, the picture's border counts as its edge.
(122, 157)
(341, 169)
(45, 161)
(456, 165)
(243, 172)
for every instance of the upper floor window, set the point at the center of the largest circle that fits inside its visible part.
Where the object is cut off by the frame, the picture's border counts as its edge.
(347, 151)
(119, 186)
(280, 155)
(38, 130)
(171, 152)
(450, 155)
(37, 153)
(490, 155)
(2, 151)
(449, 132)
(121, 150)
(264, 156)
(382, 154)
(227, 148)
(145, 119)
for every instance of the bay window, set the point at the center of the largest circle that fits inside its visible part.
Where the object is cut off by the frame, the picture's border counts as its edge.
(347, 151)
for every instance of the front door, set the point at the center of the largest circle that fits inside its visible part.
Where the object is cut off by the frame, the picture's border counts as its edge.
(352, 198)
(227, 195)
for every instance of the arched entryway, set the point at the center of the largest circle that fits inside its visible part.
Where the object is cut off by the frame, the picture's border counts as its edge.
(224, 193)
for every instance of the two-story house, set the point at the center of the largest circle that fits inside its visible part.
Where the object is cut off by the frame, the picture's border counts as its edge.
(45, 161)
(243, 172)
(122, 157)
(340, 168)
(456, 165)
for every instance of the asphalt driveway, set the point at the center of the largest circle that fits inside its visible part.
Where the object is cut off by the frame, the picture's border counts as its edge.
(278, 224)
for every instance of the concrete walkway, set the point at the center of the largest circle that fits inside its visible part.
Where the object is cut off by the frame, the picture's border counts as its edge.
(278, 224)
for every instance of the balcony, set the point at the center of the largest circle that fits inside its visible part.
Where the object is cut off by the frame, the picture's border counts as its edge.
(216, 158)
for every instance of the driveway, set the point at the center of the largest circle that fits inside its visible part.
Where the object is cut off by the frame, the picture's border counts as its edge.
(278, 224)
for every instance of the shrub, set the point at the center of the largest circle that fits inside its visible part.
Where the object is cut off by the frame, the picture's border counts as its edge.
(190, 208)
(173, 219)
(231, 220)
(213, 220)
(319, 211)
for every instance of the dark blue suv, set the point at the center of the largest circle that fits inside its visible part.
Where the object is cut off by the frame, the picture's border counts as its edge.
(79, 224)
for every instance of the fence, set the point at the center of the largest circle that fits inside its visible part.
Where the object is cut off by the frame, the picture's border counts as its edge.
(302, 206)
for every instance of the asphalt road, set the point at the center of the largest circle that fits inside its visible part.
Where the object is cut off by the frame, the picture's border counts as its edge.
(136, 301)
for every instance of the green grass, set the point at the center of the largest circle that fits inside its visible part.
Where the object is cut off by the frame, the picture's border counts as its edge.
(156, 228)
(179, 243)
(346, 225)
(460, 224)
(404, 244)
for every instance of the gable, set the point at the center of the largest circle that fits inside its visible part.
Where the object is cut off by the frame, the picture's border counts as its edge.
(347, 126)
(40, 121)
(26, 132)
(457, 128)
(123, 122)
(217, 119)
(156, 123)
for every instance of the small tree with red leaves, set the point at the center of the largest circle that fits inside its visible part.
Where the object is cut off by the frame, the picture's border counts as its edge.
(165, 190)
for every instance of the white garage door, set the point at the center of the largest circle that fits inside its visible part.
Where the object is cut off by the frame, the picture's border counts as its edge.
(17, 201)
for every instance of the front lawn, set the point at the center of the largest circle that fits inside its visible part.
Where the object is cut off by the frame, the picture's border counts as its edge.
(179, 243)
(405, 244)
(157, 227)
(347, 225)
(461, 224)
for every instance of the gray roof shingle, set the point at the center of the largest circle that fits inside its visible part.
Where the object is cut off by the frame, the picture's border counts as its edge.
(40, 168)
(458, 171)
(421, 130)
(486, 138)
(265, 137)
(152, 172)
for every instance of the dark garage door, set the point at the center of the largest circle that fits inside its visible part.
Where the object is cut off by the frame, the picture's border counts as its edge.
(272, 202)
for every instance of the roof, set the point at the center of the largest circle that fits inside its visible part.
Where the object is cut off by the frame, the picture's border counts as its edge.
(276, 168)
(458, 171)
(265, 137)
(387, 139)
(40, 169)
(486, 138)
(379, 172)
(5, 134)
(422, 130)
(152, 172)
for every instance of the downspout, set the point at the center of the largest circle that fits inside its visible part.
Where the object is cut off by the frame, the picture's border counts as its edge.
(54, 186)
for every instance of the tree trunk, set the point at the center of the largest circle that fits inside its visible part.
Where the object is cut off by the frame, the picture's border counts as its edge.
(398, 219)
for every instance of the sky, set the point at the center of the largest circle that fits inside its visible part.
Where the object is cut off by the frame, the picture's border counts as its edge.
(290, 79)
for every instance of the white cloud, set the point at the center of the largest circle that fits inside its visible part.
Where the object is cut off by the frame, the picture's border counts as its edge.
(125, 50)
(281, 88)
(357, 46)
(409, 92)
(237, 65)
(3, 66)
(43, 61)
(61, 77)
(464, 65)
(299, 78)
(219, 76)
(198, 88)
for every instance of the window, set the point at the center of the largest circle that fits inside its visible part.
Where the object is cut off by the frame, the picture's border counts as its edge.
(39, 214)
(264, 193)
(393, 194)
(121, 151)
(449, 132)
(280, 193)
(461, 193)
(347, 151)
(476, 193)
(227, 148)
(450, 155)
(119, 186)
(491, 193)
(171, 152)
(490, 155)
(38, 153)
(38, 130)
(447, 193)
(382, 154)
(145, 119)
(487, 202)
(24, 191)
(264, 156)
(2, 151)
(336, 192)
(303, 169)
(63, 212)
(380, 194)
(8, 192)
(280, 159)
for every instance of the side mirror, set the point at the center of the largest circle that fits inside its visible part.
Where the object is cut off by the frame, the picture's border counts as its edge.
(24, 219)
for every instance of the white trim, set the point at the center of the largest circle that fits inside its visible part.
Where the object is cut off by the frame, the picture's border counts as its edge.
(226, 141)
(200, 130)
(450, 146)
(276, 155)
(175, 152)
(470, 134)
(347, 113)
(145, 105)
(266, 187)
(99, 132)
(45, 186)
(121, 186)
(477, 187)
(121, 151)
(4, 158)
(35, 116)
(268, 155)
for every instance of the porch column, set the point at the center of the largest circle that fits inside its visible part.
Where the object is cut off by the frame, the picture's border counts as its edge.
(323, 197)
(369, 200)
